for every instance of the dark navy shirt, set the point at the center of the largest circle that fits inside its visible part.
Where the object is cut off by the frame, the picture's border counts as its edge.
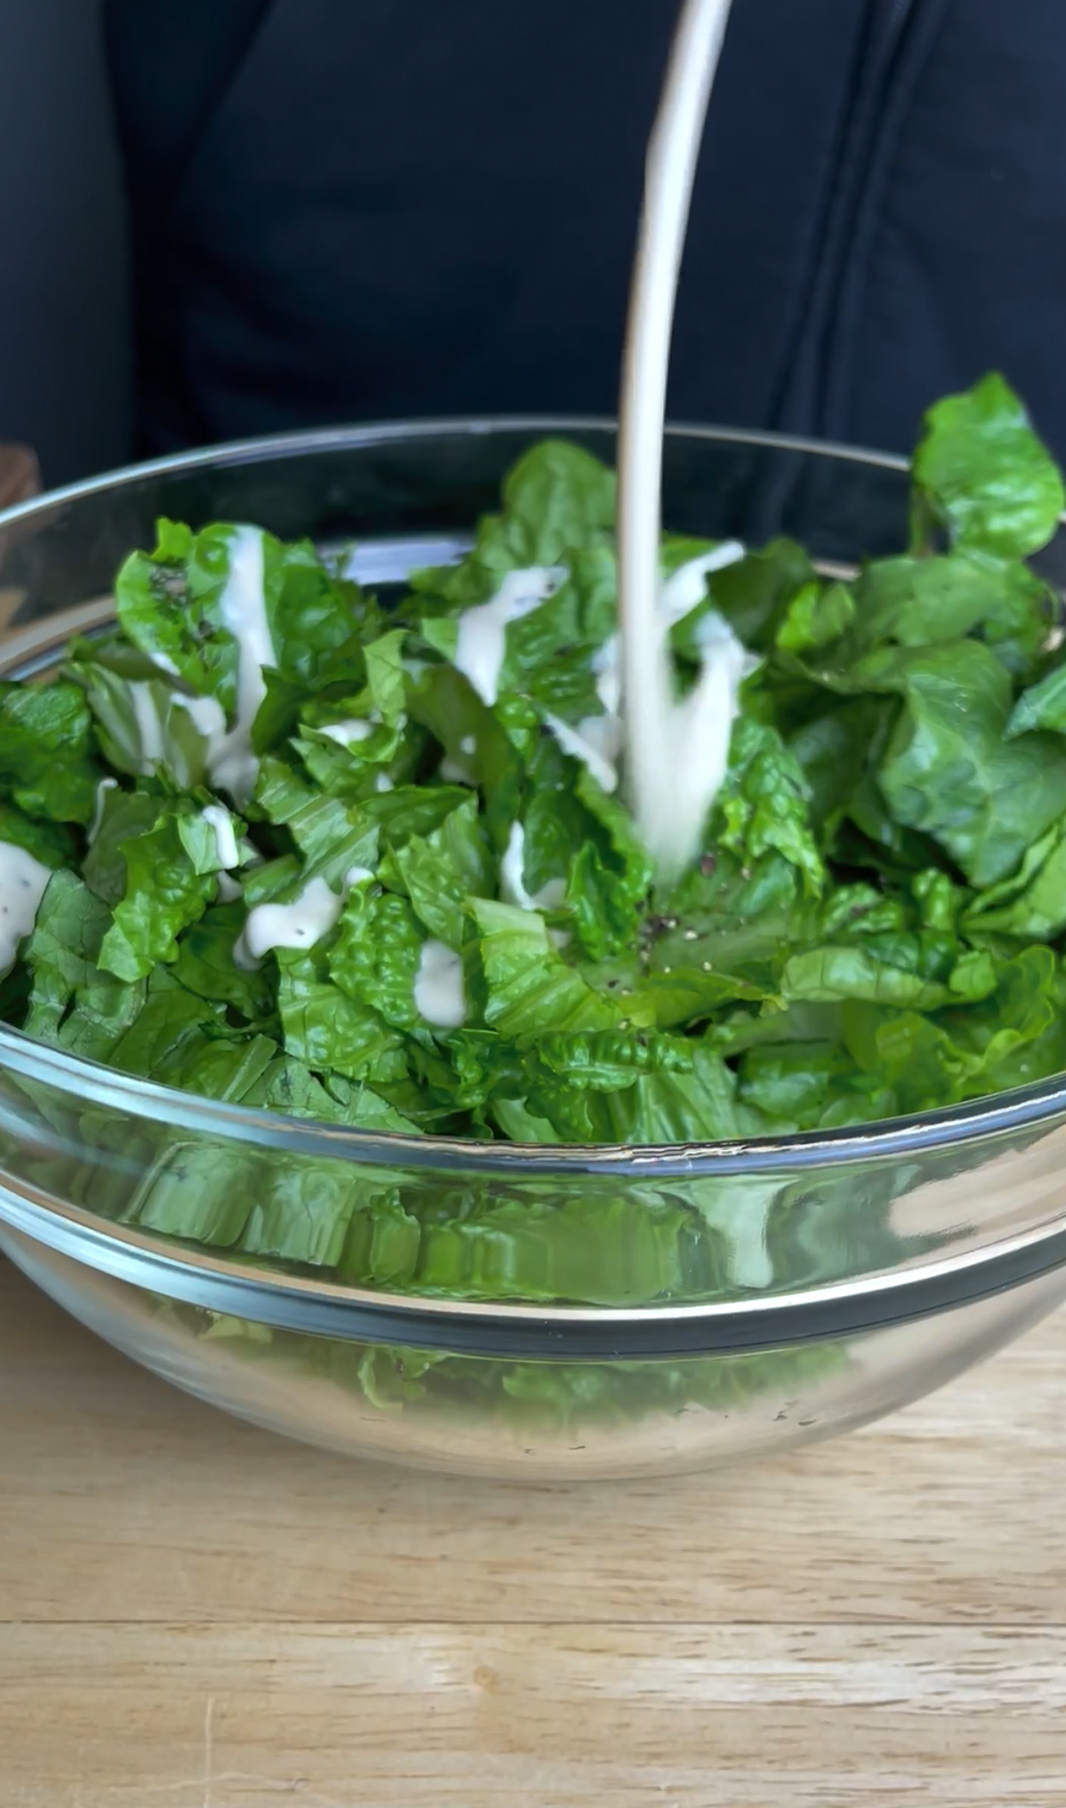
(347, 209)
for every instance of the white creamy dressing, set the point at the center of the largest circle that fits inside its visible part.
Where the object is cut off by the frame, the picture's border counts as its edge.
(691, 735)
(597, 741)
(694, 736)
(608, 672)
(299, 924)
(686, 588)
(22, 886)
(227, 853)
(439, 996)
(149, 727)
(347, 733)
(513, 870)
(218, 819)
(482, 632)
(384, 783)
(697, 734)
(665, 741)
(513, 877)
(231, 763)
(102, 789)
(207, 713)
(691, 740)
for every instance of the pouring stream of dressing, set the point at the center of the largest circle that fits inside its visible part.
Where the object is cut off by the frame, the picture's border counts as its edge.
(664, 738)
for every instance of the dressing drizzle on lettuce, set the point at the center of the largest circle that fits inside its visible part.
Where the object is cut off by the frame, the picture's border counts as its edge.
(374, 866)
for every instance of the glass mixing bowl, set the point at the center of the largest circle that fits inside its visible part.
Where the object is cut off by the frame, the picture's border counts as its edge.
(534, 1311)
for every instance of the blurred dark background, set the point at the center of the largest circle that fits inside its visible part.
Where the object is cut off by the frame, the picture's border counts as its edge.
(228, 217)
(66, 346)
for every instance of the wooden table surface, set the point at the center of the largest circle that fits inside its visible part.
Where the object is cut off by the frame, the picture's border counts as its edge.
(196, 1615)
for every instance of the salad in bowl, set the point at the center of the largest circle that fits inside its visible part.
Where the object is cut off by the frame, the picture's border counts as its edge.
(337, 979)
(269, 841)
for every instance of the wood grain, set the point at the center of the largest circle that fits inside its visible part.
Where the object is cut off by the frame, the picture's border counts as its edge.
(196, 1615)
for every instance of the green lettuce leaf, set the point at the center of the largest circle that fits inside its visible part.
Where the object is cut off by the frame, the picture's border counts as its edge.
(920, 971)
(816, 617)
(725, 917)
(754, 595)
(170, 607)
(1043, 705)
(205, 965)
(672, 1102)
(528, 987)
(982, 475)
(581, 842)
(72, 1003)
(917, 602)
(48, 765)
(796, 1086)
(441, 871)
(957, 1053)
(345, 739)
(835, 750)
(948, 769)
(1031, 904)
(140, 720)
(762, 806)
(52, 843)
(555, 499)
(375, 956)
(170, 1026)
(328, 1030)
(171, 876)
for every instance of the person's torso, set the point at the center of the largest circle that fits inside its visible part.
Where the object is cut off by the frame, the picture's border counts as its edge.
(348, 209)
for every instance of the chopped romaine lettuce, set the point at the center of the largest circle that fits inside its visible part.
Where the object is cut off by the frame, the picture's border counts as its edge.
(433, 913)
